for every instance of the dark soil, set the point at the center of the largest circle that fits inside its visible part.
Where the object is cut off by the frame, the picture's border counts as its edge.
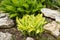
(19, 35)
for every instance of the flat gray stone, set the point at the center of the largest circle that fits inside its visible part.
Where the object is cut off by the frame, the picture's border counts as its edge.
(51, 13)
(53, 28)
(5, 21)
(5, 36)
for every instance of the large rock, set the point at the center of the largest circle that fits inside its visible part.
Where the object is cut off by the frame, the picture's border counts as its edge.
(6, 36)
(53, 27)
(51, 13)
(5, 21)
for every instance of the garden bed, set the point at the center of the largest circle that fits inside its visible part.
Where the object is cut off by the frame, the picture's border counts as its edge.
(30, 19)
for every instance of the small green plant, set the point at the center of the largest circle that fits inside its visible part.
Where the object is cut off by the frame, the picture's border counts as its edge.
(31, 25)
(21, 7)
(53, 3)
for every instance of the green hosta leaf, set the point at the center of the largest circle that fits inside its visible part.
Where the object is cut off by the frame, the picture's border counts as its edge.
(5, 2)
(1, 8)
(13, 15)
(20, 9)
(42, 1)
(26, 6)
(10, 8)
(15, 2)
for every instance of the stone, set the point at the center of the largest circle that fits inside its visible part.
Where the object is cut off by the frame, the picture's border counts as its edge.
(57, 18)
(5, 21)
(6, 36)
(51, 13)
(47, 36)
(29, 38)
(53, 27)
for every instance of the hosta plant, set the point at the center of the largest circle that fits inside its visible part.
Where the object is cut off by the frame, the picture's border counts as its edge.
(31, 25)
(21, 7)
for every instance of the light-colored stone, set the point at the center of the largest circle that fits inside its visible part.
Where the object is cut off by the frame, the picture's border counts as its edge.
(51, 13)
(5, 21)
(29, 38)
(57, 18)
(5, 36)
(53, 27)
